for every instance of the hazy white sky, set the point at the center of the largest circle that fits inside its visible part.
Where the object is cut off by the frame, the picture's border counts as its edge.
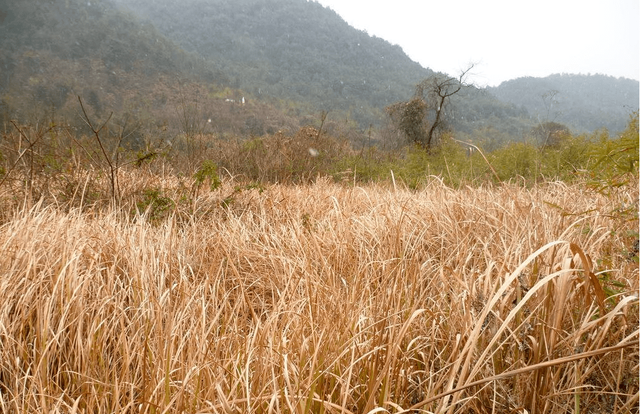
(506, 38)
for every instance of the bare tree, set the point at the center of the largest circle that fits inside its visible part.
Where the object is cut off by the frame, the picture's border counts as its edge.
(548, 132)
(111, 157)
(431, 97)
(192, 124)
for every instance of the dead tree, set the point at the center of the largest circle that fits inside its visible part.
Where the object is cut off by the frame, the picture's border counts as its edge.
(431, 97)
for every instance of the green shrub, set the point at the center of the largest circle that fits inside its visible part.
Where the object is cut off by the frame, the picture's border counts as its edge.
(616, 160)
(155, 205)
(517, 159)
(450, 161)
(367, 166)
(568, 156)
(208, 171)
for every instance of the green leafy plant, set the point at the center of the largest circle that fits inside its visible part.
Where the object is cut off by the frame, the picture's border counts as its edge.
(208, 171)
(156, 206)
(616, 160)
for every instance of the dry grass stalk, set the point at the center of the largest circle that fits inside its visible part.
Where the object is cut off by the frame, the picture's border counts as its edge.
(322, 298)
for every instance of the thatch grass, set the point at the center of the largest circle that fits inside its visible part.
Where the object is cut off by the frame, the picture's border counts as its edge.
(323, 298)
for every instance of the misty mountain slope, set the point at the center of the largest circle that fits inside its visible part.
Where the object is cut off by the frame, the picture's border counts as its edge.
(53, 51)
(290, 58)
(72, 29)
(300, 51)
(290, 49)
(582, 102)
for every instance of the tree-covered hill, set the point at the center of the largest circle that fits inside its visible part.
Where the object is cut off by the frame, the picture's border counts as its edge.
(291, 59)
(54, 50)
(582, 102)
(300, 51)
(293, 49)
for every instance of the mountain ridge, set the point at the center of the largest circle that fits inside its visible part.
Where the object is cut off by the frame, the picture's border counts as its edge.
(291, 59)
(582, 102)
(292, 48)
(267, 26)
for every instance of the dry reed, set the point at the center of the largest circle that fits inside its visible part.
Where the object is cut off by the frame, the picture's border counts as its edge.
(324, 298)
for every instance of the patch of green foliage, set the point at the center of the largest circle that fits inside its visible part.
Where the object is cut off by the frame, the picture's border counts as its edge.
(208, 171)
(155, 205)
(616, 160)
(605, 161)
(414, 166)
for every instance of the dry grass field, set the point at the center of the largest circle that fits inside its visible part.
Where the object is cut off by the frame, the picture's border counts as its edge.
(324, 298)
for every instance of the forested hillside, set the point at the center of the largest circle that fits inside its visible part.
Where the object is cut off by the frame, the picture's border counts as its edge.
(153, 62)
(291, 49)
(68, 46)
(582, 102)
(51, 52)
(301, 51)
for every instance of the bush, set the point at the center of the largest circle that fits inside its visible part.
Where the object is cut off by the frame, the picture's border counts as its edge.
(208, 171)
(285, 159)
(616, 160)
(450, 161)
(155, 205)
(517, 159)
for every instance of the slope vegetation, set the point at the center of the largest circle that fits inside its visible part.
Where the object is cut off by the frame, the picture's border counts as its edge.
(291, 49)
(54, 51)
(582, 102)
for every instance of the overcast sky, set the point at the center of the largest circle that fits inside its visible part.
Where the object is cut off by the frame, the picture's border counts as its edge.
(506, 38)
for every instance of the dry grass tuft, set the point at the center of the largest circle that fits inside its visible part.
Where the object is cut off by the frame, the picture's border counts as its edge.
(323, 298)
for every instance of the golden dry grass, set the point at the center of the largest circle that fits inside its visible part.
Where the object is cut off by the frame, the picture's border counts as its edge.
(324, 298)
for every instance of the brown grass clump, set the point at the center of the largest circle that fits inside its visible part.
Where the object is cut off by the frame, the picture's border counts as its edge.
(282, 158)
(324, 298)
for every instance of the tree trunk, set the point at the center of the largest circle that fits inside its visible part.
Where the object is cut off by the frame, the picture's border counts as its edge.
(436, 123)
